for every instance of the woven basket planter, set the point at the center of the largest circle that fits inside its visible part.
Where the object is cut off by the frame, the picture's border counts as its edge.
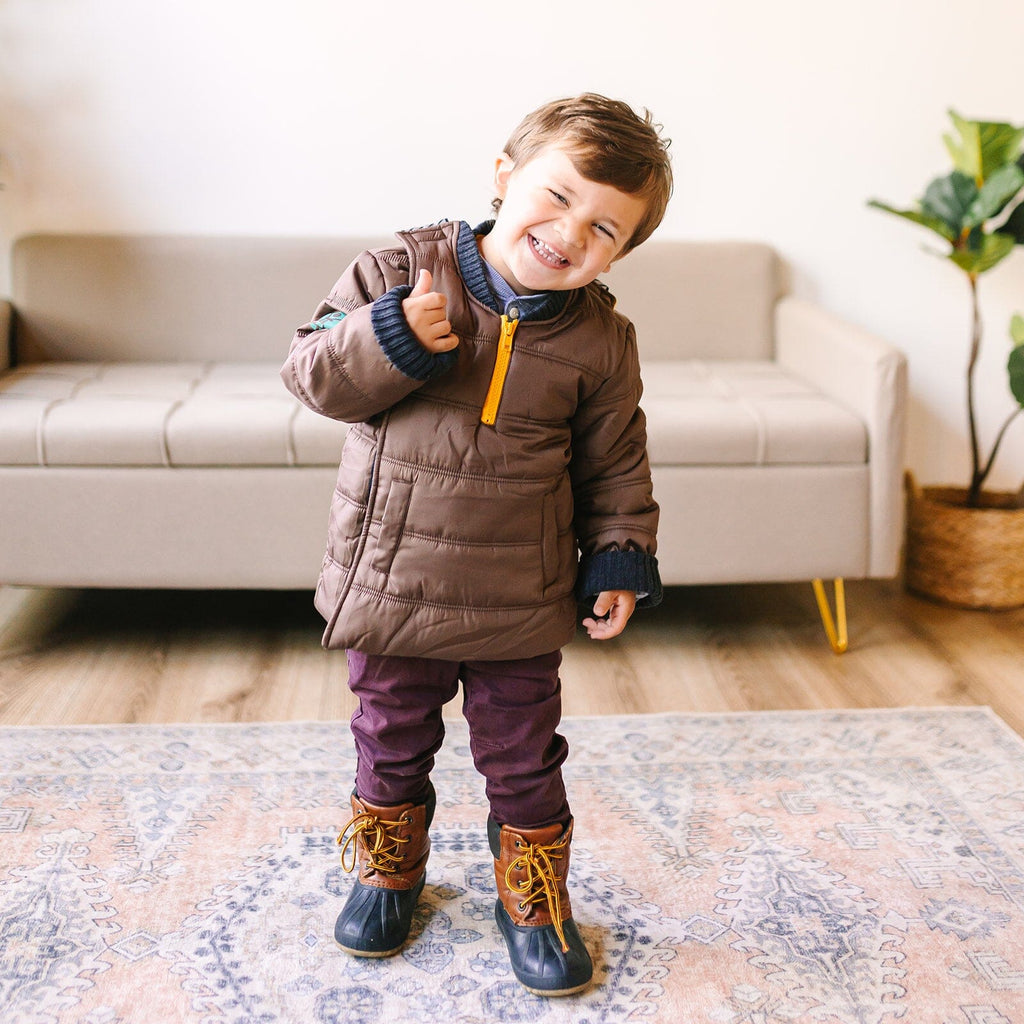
(968, 557)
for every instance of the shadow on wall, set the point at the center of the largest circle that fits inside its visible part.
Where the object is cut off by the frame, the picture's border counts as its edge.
(930, 440)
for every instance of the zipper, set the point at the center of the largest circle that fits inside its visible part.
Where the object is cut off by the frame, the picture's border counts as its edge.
(509, 323)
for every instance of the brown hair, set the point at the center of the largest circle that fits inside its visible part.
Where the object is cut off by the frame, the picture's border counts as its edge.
(608, 143)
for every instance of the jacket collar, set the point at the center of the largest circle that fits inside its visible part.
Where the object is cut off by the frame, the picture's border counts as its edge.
(543, 306)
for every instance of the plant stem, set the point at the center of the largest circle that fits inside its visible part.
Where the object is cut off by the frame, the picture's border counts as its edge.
(977, 474)
(995, 447)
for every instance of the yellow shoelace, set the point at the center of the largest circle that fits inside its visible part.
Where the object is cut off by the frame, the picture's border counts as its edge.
(382, 846)
(540, 882)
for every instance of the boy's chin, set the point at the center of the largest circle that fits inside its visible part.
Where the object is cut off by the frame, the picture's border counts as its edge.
(558, 281)
(568, 286)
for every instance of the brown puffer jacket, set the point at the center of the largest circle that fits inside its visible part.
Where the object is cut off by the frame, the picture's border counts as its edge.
(454, 538)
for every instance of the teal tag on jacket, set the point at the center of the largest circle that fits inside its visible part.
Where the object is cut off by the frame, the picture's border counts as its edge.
(326, 322)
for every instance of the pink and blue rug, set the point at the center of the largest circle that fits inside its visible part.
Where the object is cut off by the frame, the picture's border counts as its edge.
(852, 867)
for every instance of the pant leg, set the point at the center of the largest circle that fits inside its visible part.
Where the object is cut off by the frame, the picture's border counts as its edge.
(513, 709)
(397, 727)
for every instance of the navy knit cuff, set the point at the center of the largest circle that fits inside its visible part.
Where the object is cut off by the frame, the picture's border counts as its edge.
(620, 570)
(400, 345)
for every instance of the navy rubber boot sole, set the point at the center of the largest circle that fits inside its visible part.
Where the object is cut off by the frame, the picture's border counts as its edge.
(537, 958)
(375, 922)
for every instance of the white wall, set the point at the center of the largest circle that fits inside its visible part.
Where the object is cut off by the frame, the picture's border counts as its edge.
(250, 116)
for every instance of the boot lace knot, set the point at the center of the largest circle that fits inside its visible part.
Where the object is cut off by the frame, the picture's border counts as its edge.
(380, 839)
(539, 882)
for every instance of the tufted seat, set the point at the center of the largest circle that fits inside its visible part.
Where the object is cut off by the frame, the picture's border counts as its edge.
(705, 413)
(159, 414)
(237, 414)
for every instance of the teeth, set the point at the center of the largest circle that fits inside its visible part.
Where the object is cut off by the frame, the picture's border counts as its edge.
(546, 250)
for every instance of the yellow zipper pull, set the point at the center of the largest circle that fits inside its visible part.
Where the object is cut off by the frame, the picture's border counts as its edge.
(509, 324)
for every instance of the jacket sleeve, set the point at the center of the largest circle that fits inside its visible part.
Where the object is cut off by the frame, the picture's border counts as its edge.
(357, 357)
(616, 516)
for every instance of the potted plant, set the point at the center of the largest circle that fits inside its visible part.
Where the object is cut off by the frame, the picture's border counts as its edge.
(965, 545)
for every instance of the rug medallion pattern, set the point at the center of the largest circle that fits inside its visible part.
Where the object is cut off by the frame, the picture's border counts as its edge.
(852, 867)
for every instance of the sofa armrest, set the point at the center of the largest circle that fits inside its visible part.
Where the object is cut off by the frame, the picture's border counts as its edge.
(869, 377)
(6, 326)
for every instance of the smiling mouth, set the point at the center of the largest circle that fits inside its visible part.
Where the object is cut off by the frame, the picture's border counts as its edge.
(546, 254)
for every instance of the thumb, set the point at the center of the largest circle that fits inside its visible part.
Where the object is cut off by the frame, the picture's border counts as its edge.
(424, 283)
(603, 604)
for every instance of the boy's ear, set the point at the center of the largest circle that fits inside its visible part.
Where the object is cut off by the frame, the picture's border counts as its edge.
(503, 168)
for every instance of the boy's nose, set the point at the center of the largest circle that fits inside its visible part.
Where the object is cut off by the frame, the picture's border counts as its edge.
(570, 232)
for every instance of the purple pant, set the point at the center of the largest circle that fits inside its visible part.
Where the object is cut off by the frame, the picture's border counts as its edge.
(513, 709)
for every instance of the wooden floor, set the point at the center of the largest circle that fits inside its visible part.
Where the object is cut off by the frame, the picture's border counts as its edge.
(82, 657)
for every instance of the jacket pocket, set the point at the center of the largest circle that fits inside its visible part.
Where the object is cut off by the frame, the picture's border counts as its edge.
(392, 526)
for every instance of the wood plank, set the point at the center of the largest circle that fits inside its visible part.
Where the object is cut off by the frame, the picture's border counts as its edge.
(79, 657)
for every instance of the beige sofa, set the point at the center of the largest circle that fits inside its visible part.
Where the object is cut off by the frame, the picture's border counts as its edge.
(146, 439)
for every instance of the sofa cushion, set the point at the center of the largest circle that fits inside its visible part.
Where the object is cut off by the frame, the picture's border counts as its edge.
(239, 414)
(700, 300)
(117, 298)
(148, 414)
(744, 413)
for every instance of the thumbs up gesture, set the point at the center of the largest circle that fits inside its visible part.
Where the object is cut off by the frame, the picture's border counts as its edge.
(426, 312)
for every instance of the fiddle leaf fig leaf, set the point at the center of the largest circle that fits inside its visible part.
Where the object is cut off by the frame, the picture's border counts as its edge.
(1017, 329)
(1014, 225)
(949, 199)
(985, 256)
(994, 195)
(983, 146)
(1015, 366)
(918, 217)
(1000, 144)
(965, 151)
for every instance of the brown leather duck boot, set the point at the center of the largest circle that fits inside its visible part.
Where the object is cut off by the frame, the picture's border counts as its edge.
(391, 847)
(533, 911)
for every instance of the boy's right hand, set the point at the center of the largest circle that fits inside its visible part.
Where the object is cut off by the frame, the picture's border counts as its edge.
(426, 312)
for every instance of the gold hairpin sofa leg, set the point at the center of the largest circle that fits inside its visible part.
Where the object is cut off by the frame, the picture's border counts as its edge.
(835, 629)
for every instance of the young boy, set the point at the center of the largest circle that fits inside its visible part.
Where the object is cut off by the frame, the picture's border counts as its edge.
(495, 468)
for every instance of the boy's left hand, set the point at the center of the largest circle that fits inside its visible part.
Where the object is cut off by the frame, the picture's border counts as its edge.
(612, 610)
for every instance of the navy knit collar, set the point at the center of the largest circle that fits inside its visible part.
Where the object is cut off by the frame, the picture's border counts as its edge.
(543, 306)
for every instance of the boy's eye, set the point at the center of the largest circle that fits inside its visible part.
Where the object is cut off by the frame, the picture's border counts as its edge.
(606, 231)
(558, 198)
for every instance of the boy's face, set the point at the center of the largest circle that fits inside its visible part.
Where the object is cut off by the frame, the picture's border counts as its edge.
(556, 230)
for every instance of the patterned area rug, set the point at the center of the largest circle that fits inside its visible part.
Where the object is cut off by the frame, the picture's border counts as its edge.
(853, 867)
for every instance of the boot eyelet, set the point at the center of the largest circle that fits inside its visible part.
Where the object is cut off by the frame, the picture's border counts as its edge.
(521, 908)
(519, 845)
